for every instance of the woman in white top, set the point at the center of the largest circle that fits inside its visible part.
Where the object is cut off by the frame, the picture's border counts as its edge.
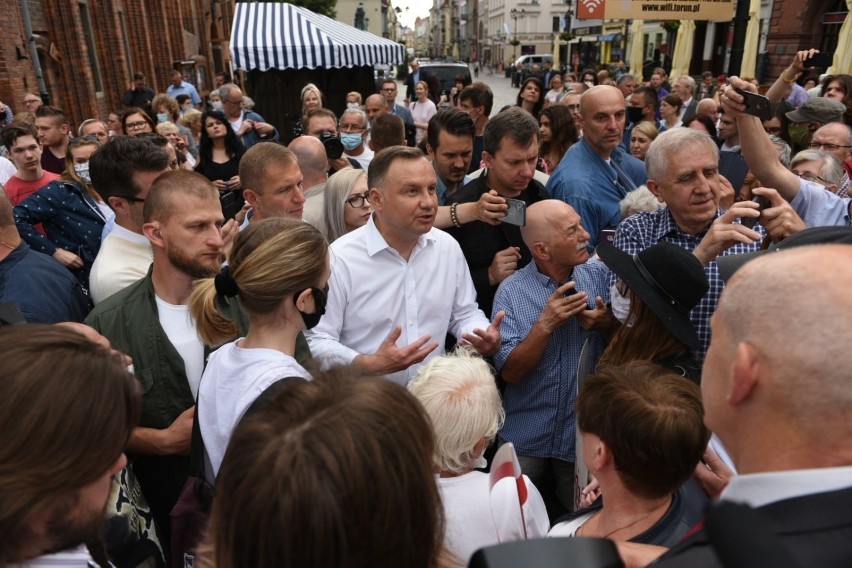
(278, 268)
(422, 109)
(557, 90)
(459, 394)
(670, 112)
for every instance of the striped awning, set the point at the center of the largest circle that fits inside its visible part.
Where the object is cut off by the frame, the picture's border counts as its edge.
(270, 35)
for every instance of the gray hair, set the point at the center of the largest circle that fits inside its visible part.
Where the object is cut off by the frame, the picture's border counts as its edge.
(359, 112)
(226, 89)
(689, 81)
(625, 77)
(831, 170)
(337, 190)
(783, 148)
(459, 394)
(657, 159)
(639, 200)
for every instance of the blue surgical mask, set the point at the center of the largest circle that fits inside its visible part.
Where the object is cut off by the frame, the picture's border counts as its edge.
(82, 171)
(162, 117)
(350, 140)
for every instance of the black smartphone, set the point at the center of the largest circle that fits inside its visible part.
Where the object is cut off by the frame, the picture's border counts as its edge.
(756, 105)
(763, 204)
(821, 61)
(230, 204)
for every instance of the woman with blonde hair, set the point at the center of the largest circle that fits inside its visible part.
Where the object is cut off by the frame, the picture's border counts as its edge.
(311, 98)
(641, 137)
(278, 270)
(347, 204)
(422, 109)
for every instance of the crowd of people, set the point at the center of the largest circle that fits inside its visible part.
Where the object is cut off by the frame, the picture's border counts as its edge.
(337, 334)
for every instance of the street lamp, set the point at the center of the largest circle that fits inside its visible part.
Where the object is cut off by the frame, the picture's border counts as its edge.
(515, 14)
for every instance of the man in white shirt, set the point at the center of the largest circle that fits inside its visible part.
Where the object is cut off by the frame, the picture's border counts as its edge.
(776, 396)
(71, 405)
(122, 172)
(398, 285)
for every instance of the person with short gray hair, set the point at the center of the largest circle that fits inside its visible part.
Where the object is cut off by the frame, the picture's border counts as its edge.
(818, 167)
(354, 129)
(684, 87)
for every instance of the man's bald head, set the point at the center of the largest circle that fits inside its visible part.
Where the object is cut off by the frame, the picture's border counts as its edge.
(555, 236)
(540, 217)
(375, 105)
(310, 153)
(709, 108)
(593, 97)
(791, 311)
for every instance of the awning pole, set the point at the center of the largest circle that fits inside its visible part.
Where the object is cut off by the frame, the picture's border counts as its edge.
(28, 29)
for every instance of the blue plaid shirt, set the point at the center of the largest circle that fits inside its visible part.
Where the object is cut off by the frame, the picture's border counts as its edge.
(540, 408)
(642, 230)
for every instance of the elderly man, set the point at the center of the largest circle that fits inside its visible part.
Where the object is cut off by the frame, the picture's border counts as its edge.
(94, 127)
(836, 138)
(354, 129)
(683, 172)
(791, 442)
(398, 279)
(249, 126)
(552, 306)
(595, 173)
(684, 87)
(272, 183)
(816, 206)
(76, 403)
(321, 123)
(494, 252)
(626, 84)
(813, 114)
(709, 108)
(150, 321)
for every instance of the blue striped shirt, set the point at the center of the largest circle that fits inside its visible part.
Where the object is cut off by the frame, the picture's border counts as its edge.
(540, 408)
(640, 231)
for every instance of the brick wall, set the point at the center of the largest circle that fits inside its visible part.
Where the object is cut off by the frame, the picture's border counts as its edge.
(155, 36)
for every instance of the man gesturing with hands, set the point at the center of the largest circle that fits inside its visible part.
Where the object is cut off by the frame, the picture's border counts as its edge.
(397, 284)
(552, 306)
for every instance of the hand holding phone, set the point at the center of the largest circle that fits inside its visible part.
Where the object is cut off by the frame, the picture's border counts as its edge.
(517, 212)
(762, 204)
(756, 105)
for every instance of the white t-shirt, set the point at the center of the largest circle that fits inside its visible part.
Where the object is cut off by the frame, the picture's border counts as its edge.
(183, 335)
(477, 517)
(364, 158)
(570, 528)
(234, 378)
(7, 169)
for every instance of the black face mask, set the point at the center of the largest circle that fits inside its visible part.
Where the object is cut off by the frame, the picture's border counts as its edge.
(634, 114)
(320, 299)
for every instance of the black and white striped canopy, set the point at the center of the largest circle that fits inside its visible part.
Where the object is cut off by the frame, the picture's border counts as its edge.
(267, 35)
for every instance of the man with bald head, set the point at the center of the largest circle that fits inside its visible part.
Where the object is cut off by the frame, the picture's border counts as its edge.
(552, 306)
(313, 164)
(595, 174)
(777, 398)
(709, 108)
(375, 106)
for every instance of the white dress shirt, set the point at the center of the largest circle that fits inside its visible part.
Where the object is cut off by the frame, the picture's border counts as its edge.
(759, 489)
(372, 289)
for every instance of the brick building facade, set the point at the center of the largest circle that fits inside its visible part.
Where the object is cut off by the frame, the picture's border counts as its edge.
(89, 49)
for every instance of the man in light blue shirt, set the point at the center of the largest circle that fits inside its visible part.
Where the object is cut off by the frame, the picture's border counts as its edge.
(181, 87)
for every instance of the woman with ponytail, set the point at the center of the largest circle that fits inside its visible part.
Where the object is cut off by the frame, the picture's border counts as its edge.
(278, 270)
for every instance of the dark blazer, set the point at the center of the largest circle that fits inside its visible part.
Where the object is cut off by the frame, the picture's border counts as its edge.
(409, 84)
(690, 110)
(816, 529)
(480, 241)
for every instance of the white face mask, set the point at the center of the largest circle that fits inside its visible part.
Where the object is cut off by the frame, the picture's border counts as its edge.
(620, 306)
(353, 106)
(83, 172)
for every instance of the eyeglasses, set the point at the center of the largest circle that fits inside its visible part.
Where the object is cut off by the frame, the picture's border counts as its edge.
(352, 128)
(826, 147)
(135, 125)
(239, 102)
(28, 101)
(87, 138)
(813, 178)
(359, 200)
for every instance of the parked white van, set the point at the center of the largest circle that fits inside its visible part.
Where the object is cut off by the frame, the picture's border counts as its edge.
(527, 61)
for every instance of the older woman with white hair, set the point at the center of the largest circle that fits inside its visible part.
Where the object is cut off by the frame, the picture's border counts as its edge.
(461, 398)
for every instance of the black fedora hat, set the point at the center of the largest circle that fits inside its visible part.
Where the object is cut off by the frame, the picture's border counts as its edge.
(668, 278)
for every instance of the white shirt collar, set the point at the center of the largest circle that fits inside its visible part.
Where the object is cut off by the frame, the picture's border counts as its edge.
(376, 241)
(129, 235)
(759, 489)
